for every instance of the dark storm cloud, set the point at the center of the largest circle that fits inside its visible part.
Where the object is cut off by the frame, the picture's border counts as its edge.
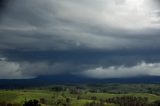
(52, 25)
(80, 62)
(2, 4)
(79, 37)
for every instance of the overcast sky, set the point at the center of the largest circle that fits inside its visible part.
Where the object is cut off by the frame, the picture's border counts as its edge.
(96, 39)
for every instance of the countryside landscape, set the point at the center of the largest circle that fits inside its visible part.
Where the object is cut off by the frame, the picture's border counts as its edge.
(83, 95)
(79, 52)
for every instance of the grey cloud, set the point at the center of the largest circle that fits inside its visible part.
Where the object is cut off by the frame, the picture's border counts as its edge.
(141, 69)
(44, 68)
(25, 70)
(82, 63)
(63, 25)
(71, 25)
(10, 70)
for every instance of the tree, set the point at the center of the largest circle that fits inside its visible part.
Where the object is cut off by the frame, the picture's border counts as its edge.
(32, 103)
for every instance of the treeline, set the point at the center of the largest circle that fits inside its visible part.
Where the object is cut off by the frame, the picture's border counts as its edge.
(123, 101)
(111, 88)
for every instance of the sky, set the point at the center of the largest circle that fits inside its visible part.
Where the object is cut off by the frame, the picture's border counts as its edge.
(94, 39)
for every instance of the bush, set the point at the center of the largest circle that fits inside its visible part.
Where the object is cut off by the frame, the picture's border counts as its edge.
(32, 103)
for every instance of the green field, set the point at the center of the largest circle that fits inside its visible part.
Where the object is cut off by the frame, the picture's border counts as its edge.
(77, 96)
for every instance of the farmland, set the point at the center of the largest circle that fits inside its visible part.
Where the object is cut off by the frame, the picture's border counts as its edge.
(81, 95)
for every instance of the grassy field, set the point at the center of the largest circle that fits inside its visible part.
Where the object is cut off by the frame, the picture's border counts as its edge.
(77, 99)
(19, 96)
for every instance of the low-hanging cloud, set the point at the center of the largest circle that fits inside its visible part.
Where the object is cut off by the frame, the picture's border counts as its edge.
(27, 70)
(10, 70)
(142, 69)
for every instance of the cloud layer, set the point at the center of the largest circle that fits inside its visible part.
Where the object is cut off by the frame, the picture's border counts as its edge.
(142, 69)
(63, 25)
(117, 33)
(23, 70)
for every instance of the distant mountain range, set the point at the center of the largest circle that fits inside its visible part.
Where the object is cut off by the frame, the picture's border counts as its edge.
(69, 79)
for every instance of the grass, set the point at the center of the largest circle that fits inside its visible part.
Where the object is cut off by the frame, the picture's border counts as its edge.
(19, 96)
